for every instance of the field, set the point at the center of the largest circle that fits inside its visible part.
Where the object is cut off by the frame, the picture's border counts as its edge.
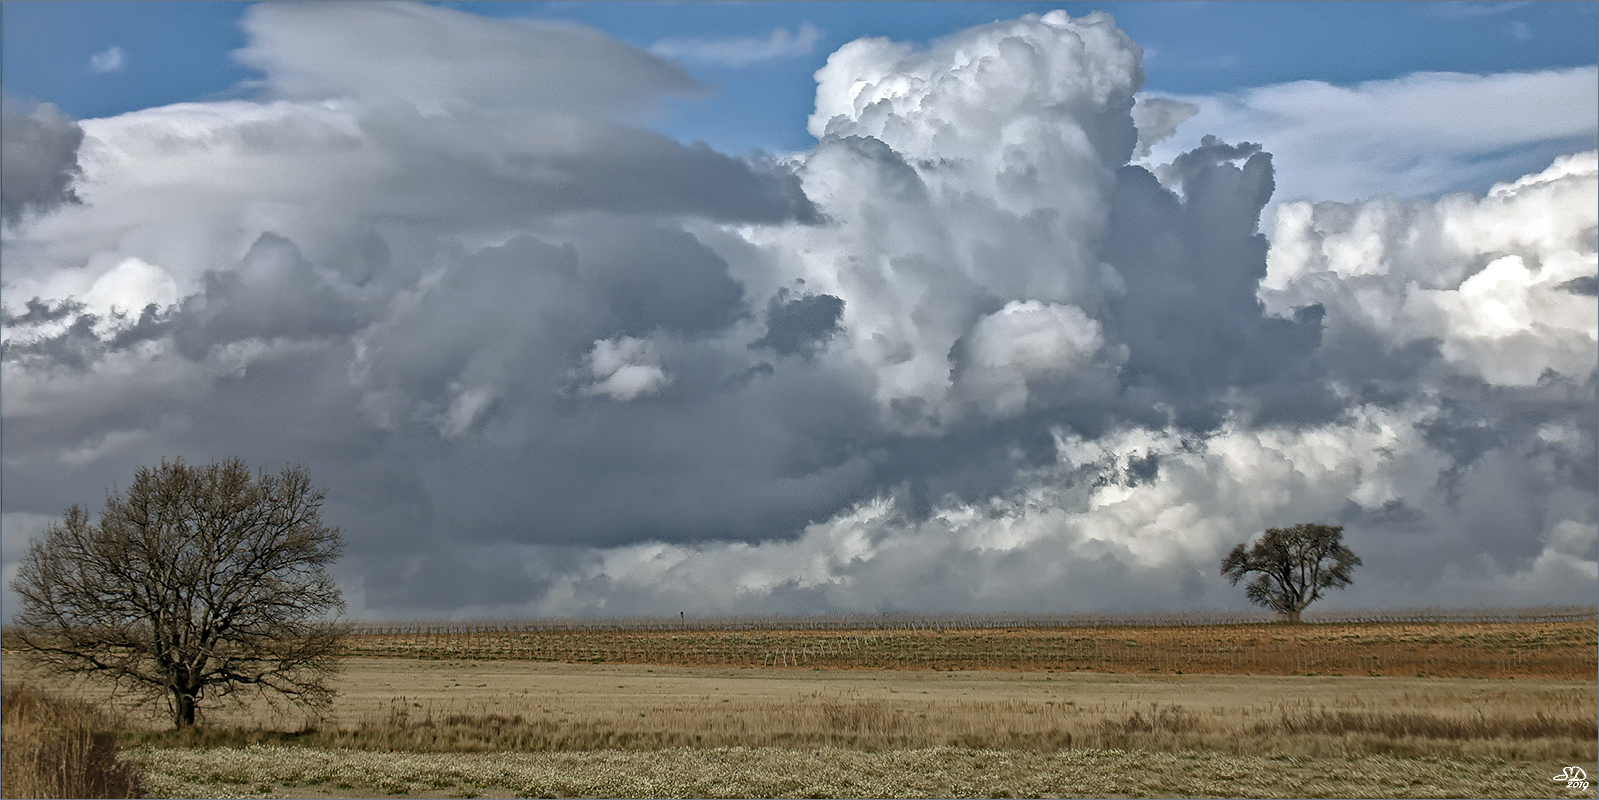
(486, 711)
(1565, 649)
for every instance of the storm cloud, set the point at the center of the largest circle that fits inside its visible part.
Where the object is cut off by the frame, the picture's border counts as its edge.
(963, 354)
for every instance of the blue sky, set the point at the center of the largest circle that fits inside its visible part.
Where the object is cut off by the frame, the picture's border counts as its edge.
(174, 52)
(1034, 309)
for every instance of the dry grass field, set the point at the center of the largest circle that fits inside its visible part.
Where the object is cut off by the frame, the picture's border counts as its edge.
(529, 729)
(1499, 710)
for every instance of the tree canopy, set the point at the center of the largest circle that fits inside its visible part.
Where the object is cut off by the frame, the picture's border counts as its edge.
(1292, 566)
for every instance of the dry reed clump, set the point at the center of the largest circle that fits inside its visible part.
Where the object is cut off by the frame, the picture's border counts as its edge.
(1170, 719)
(54, 747)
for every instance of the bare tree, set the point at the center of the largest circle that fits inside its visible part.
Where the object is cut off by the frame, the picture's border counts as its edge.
(199, 583)
(1292, 566)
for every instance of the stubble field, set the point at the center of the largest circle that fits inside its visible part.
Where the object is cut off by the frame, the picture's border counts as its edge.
(1026, 723)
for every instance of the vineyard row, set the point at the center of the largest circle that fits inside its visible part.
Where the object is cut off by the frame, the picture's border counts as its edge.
(917, 622)
(1491, 650)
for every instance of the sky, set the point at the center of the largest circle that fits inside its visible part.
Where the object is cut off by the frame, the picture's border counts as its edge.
(808, 308)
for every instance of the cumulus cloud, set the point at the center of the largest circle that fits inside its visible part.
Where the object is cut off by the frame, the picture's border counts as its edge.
(1023, 342)
(741, 51)
(1482, 280)
(964, 354)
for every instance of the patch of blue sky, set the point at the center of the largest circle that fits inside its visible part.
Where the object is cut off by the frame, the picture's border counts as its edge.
(170, 53)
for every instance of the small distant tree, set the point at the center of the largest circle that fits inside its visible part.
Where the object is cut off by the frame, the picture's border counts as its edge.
(200, 582)
(1293, 566)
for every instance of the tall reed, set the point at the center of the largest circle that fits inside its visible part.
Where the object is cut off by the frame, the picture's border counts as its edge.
(54, 747)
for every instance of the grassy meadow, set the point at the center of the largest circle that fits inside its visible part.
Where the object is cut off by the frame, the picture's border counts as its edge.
(622, 715)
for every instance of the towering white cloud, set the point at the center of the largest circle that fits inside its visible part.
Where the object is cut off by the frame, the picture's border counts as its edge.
(958, 179)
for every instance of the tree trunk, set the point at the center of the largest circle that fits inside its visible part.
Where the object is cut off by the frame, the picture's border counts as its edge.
(183, 705)
(1291, 616)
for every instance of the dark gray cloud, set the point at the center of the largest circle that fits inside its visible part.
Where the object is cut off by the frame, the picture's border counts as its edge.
(40, 158)
(637, 172)
(1196, 331)
(799, 323)
(76, 348)
(1582, 284)
(653, 279)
